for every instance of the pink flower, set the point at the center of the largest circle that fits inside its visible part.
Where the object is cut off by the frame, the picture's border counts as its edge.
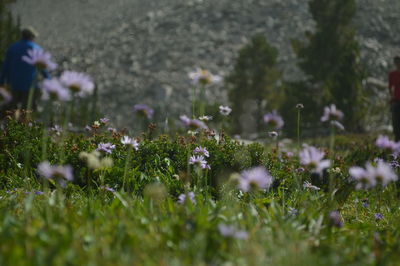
(58, 173)
(105, 147)
(192, 124)
(313, 158)
(144, 110)
(202, 151)
(199, 161)
(5, 96)
(127, 141)
(274, 120)
(225, 110)
(331, 113)
(203, 77)
(371, 176)
(383, 142)
(256, 178)
(40, 59)
(78, 83)
(53, 89)
(231, 232)
(183, 197)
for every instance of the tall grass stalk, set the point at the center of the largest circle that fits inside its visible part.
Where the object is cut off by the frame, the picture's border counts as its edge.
(194, 102)
(298, 128)
(332, 156)
(128, 159)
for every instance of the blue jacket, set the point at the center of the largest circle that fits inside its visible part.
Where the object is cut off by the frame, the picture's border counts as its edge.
(17, 73)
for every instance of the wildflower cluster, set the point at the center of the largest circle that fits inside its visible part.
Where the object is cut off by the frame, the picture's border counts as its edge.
(199, 160)
(371, 176)
(384, 143)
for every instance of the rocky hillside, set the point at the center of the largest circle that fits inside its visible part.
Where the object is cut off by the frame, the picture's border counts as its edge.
(141, 51)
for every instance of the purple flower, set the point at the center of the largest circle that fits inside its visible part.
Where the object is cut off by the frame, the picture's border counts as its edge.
(39, 192)
(378, 216)
(112, 130)
(107, 189)
(365, 202)
(337, 124)
(394, 164)
(5, 97)
(144, 110)
(331, 113)
(192, 124)
(256, 178)
(40, 59)
(202, 151)
(225, 110)
(78, 83)
(274, 120)
(127, 141)
(383, 173)
(336, 219)
(371, 176)
(105, 147)
(383, 142)
(313, 158)
(54, 90)
(203, 77)
(364, 179)
(56, 129)
(205, 118)
(58, 173)
(183, 197)
(292, 211)
(231, 232)
(104, 120)
(300, 170)
(199, 161)
(310, 186)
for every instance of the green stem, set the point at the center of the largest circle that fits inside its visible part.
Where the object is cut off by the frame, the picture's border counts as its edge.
(47, 114)
(331, 150)
(128, 159)
(65, 127)
(30, 99)
(193, 101)
(298, 129)
(202, 100)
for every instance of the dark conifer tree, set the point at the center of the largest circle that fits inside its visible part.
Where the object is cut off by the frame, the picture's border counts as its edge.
(253, 84)
(9, 28)
(330, 59)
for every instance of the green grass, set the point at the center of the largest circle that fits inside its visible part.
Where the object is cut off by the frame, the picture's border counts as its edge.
(145, 225)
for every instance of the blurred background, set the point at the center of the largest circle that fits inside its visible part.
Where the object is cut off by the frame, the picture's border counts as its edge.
(272, 54)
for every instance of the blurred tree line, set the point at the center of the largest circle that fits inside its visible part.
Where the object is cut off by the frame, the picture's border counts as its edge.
(9, 28)
(330, 61)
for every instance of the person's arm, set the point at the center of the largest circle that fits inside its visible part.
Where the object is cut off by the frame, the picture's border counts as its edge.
(5, 71)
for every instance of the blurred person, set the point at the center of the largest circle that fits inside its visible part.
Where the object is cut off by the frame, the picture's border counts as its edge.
(394, 90)
(18, 75)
